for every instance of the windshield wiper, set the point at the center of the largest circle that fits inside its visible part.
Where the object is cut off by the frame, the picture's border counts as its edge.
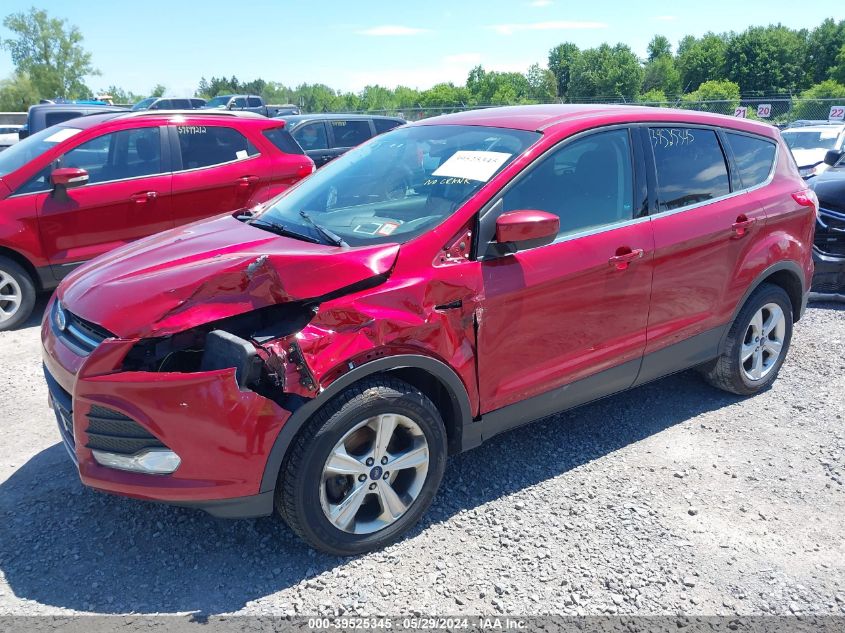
(334, 238)
(278, 229)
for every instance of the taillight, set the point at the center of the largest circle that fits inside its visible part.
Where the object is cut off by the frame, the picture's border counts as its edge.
(807, 198)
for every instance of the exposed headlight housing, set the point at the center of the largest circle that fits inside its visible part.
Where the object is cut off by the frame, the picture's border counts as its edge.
(153, 461)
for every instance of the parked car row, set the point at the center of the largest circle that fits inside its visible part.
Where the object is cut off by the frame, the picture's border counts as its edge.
(320, 355)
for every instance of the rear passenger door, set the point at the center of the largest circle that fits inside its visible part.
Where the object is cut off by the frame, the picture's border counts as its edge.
(704, 226)
(216, 170)
(313, 138)
(344, 134)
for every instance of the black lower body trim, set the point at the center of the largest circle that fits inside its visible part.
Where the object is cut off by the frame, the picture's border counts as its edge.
(260, 505)
(829, 278)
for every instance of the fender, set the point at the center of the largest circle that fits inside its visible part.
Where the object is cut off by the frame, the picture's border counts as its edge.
(787, 265)
(447, 377)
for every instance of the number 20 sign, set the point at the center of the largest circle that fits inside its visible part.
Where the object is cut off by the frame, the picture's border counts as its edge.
(837, 113)
(764, 110)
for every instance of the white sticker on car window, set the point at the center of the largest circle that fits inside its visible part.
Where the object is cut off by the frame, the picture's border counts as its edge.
(62, 134)
(241, 154)
(472, 165)
(829, 134)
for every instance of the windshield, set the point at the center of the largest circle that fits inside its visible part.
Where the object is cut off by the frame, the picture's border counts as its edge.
(218, 102)
(399, 185)
(143, 105)
(33, 146)
(806, 139)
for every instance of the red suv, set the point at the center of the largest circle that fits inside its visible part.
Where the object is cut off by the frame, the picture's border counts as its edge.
(439, 284)
(142, 173)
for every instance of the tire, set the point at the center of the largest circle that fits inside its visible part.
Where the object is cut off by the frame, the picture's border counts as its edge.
(310, 490)
(15, 282)
(729, 371)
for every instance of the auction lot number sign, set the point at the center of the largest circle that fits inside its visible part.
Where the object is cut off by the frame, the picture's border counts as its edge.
(837, 113)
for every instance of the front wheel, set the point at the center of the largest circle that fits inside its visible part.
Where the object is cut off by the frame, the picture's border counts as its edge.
(757, 343)
(17, 294)
(365, 468)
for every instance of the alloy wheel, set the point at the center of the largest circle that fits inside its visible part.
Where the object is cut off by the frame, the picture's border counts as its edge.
(10, 296)
(374, 473)
(763, 342)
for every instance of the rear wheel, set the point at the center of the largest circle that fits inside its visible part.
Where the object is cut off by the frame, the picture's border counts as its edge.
(365, 468)
(756, 345)
(17, 294)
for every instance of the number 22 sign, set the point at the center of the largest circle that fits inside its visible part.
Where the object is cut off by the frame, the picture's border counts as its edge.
(837, 113)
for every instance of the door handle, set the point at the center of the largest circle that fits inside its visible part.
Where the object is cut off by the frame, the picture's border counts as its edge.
(624, 256)
(245, 182)
(144, 197)
(742, 225)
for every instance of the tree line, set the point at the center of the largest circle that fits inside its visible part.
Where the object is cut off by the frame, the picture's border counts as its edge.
(50, 61)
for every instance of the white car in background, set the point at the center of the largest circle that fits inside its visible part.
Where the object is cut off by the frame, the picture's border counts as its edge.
(8, 135)
(810, 142)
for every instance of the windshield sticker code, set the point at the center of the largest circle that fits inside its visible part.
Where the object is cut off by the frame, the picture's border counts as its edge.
(445, 181)
(472, 165)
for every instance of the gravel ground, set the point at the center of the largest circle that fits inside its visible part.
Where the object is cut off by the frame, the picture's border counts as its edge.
(673, 498)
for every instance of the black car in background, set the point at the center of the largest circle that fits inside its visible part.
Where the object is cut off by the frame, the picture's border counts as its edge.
(44, 115)
(829, 245)
(169, 103)
(327, 136)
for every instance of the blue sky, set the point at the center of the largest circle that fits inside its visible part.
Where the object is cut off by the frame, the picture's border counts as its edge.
(351, 44)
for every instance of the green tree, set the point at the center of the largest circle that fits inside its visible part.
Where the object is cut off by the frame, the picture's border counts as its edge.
(653, 97)
(377, 98)
(718, 95)
(823, 46)
(50, 52)
(606, 73)
(17, 93)
(444, 95)
(497, 87)
(766, 60)
(561, 59)
(158, 90)
(542, 86)
(121, 96)
(659, 46)
(701, 59)
(811, 105)
(661, 74)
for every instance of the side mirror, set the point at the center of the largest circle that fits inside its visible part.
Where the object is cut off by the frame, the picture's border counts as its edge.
(68, 177)
(832, 157)
(527, 228)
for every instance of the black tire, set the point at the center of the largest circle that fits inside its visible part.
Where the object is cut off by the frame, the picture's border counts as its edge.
(300, 478)
(11, 269)
(726, 371)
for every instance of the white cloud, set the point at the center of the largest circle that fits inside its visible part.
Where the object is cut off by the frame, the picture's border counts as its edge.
(463, 58)
(540, 3)
(665, 18)
(559, 25)
(392, 30)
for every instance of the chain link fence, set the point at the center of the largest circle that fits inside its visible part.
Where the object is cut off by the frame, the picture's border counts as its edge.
(780, 111)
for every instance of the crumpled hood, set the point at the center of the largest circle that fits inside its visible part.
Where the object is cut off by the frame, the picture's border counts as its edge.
(808, 157)
(207, 271)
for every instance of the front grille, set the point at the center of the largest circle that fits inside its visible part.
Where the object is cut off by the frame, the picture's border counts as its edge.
(830, 233)
(63, 408)
(113, 432)
(80, 335)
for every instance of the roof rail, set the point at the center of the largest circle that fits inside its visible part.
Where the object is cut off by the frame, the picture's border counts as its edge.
(197, 112)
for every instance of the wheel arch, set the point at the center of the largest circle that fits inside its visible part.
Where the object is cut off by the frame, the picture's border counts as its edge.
(24, 263)
(785, 274)
(432, 377)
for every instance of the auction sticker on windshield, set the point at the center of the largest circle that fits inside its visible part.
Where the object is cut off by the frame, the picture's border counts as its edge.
(62, 135)
(472, 165)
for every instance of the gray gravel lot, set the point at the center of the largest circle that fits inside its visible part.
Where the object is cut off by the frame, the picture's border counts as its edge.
(673, 498)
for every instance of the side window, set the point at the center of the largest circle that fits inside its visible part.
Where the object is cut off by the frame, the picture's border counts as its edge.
(53, 118)
(588, 183)
(117, 156)
(180, 104)
(754, 157)
(239, 102)
(254, 102)
(350, 133)
(690, 166)
(384, 125)
(311, 136)
(207, 145)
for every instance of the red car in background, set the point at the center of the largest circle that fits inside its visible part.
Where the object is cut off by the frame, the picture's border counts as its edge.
(78, 189)
(441, 283)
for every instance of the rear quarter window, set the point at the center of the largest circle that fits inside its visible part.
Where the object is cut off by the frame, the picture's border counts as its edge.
(385, 125)
(754, 158)
(282, 139)
(254, 102)
(690, 166)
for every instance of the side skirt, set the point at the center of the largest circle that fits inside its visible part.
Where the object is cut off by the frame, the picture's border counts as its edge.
(675, 358)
